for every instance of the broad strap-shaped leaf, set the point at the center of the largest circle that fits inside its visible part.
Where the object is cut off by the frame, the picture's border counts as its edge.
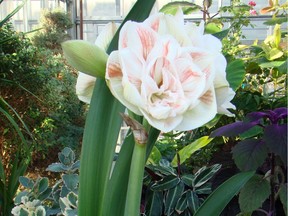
(172, 197)
(166, 183)
(233, 129)
(254, 193)
(192, 201)
(235, 73)
(188, 150)
(205, 174)
(216, 202)
(249, 154)
(119, 176)
(275, 137)
(173, 7)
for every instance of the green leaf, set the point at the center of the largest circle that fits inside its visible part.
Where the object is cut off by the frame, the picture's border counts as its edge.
(254, 193)
(44, 195)
(55, 167)
(273, 54)
(166, 183)
(275, 20)
(192, 201)
(283, 196)
(172, 197)
(181, 204)
(187, 179)
(71, 181)
(212, 28)
(10, 15)
(250, 154)
(155, 203)
(283, 67)
(85, 57)
(222, 34)
(187, 7)
(26, 182)
(155, 156)
(120, 176)
(204, 189)
(205, 174)
(216, 202)
(252, 132)
(235, 73)
(188, 150)
(43, 185)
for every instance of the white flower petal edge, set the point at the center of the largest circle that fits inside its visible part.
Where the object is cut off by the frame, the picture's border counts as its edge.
(85, 83)
(169, 72)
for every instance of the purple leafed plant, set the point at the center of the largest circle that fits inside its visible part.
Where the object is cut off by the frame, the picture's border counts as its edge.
(261, 134)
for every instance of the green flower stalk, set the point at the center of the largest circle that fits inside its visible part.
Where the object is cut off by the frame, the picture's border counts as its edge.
(133, 198)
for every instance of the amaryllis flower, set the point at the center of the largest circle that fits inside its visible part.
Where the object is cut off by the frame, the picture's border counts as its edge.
(169, 72)
(252, 3)
(85, 83)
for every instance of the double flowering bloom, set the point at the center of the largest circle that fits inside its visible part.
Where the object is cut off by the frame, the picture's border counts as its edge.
(166, 70)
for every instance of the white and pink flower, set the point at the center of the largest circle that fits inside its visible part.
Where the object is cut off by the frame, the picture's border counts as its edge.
(169, 72)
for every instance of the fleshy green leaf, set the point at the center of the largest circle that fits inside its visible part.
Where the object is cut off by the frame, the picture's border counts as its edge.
(71, 181)
(250, 154)
(85, 57)
(254, 193)
(26, 182)
(216, 202)
(235, 73)
(188, 150)
(204, 189)
(43, 185)
(275, 137)
(172, 197)
(187, 7)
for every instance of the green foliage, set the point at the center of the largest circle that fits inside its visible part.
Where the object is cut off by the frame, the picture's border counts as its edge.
(254, 193)
(61, 197)
(216, 202)
(169, 191)
(53, 26)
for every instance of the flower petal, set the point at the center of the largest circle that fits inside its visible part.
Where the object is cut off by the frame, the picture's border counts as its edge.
(84, 87)
(201, 113)
(104, 38)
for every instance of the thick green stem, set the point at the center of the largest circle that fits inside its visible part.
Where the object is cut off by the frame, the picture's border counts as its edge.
(133, 198)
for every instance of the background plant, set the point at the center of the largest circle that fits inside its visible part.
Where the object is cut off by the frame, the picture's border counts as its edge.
(61, 198)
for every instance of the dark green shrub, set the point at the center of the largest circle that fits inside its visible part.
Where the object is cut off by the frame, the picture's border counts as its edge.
(53, 26)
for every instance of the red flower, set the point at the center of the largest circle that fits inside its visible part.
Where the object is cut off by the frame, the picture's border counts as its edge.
(252, 3)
